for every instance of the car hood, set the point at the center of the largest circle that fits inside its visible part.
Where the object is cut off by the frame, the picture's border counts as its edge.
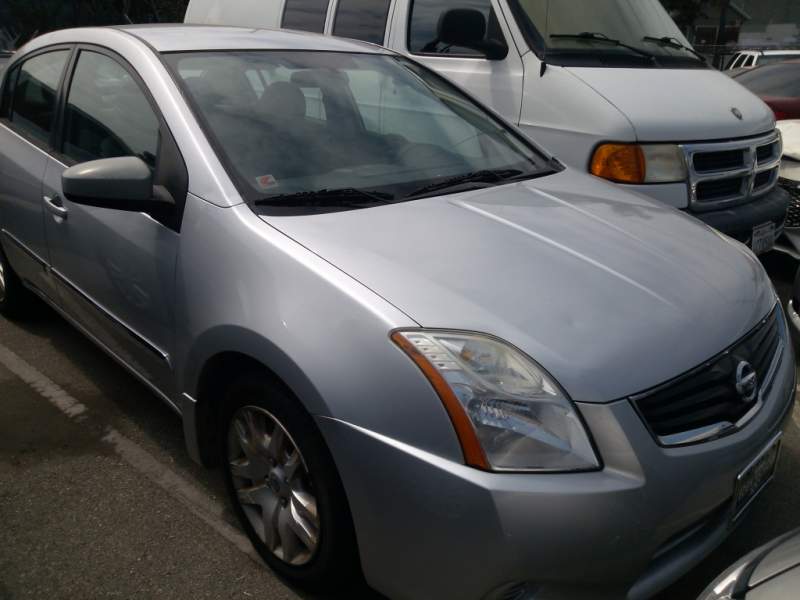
(680, 105)
(608, 291)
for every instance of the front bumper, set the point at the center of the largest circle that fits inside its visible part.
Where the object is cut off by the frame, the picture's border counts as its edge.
(431, 528)
(738, 221)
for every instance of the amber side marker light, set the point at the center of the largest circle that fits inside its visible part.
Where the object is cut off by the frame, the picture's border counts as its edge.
(470, 446)
(623, 163)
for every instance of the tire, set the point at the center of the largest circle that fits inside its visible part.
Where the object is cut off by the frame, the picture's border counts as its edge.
(15, 299)
(294, 481)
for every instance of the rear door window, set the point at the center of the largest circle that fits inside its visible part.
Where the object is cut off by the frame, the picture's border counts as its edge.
(362, 20)
(305, 15)
(423, 26)
(749, 62)
(107, 114)
(33, 100)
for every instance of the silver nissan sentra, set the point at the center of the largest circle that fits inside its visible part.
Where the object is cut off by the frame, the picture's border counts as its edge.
(416, 343)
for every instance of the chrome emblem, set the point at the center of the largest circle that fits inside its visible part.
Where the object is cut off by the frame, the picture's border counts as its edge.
(746, 381)
(737, 113)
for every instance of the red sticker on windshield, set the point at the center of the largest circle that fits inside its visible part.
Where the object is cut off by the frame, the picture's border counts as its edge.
(266, 181)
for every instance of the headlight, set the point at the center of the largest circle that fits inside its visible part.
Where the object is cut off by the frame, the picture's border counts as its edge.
(508, 412)
(639, 163)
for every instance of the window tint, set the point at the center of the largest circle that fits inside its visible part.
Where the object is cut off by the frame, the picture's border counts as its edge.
(362, 20)
(423, 26)
(34, 98)
(750, 60)
(107, 114)
(305, 15)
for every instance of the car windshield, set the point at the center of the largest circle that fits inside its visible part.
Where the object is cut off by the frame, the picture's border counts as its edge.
(604, 33)
(339, 131)
(780, 80)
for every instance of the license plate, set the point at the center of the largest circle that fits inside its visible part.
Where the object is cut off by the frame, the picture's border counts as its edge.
(763, 238)
(755, 477)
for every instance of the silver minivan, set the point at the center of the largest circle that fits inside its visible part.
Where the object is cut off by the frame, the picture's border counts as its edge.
(418, 345)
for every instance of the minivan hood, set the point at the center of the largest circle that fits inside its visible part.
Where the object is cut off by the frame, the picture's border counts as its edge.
(608, 291)
(680, 105)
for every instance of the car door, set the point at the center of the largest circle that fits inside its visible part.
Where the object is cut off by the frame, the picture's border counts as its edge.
(27, 125)
(115, 270)
(497, 83)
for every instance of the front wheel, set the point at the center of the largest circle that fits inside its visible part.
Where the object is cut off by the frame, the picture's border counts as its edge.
(284, 487)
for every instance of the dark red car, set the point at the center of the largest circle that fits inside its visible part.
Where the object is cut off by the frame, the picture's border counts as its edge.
(778, 85)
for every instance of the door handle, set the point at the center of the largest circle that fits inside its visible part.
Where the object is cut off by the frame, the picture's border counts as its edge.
(55, 206)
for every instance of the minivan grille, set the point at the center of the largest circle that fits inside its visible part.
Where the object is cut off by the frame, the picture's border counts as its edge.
(719, 188)
(730, 173)
(719, 161)
(704, 402)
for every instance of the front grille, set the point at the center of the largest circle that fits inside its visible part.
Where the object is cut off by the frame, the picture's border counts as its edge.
(793, 214)
(729, 173)
(704, 402)
(719, 188)
(764, 178)
(705, 162)
(767, 152)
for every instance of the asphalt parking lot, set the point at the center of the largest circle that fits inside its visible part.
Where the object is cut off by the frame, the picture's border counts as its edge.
(98, 498)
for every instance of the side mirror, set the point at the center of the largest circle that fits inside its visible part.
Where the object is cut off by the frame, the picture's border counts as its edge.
(124, 183)
(466, 27)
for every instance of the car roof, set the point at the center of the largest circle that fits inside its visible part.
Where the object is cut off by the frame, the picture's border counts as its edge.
(184, 37)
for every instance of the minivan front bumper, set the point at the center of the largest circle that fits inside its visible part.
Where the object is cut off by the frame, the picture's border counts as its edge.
(431, 528)
(738, 221)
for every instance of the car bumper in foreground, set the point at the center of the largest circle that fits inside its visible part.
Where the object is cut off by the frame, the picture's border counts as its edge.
(430, 528)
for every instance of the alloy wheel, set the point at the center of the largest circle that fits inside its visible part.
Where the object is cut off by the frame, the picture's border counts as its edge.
(272, 485)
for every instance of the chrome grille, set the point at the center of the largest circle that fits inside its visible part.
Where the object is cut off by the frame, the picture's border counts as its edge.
(730, 173)
(793, 214)
(704, 403)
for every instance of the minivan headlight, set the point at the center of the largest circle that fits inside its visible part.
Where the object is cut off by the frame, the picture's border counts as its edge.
(508, 412)
(639, 163)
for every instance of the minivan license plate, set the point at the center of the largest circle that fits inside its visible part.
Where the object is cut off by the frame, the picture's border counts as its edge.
(763, 238)
(755, 477)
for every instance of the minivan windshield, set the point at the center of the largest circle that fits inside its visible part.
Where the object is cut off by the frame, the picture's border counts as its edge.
(623, 33)
(328, 131)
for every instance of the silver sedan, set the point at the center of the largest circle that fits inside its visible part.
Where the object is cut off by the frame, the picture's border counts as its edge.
(417, 344)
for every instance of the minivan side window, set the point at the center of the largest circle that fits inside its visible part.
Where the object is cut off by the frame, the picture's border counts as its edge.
(305, 15)
(107, 114)
(33, 99)
(423, 25)
(363, 20)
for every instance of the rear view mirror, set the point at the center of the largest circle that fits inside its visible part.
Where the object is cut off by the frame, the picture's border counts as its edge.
(466, 27)
(124, 183)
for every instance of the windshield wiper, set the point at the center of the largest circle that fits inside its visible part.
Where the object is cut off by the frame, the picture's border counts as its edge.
(483, 176)
(344, 197)
(602, 37)
(673, 43)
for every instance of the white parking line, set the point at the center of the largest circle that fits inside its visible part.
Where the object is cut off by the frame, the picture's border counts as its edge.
(198, 502)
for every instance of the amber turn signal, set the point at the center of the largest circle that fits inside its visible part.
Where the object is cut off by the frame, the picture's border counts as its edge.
(623, 163)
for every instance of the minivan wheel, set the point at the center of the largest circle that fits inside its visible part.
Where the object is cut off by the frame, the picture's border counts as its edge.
(14, 297)
(284, 486)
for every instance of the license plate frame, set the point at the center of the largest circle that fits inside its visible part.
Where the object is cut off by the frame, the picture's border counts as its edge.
(763, 237)
(752, 480)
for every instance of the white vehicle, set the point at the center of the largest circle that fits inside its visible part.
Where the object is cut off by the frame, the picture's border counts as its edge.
(747, 59)
(608, 86)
